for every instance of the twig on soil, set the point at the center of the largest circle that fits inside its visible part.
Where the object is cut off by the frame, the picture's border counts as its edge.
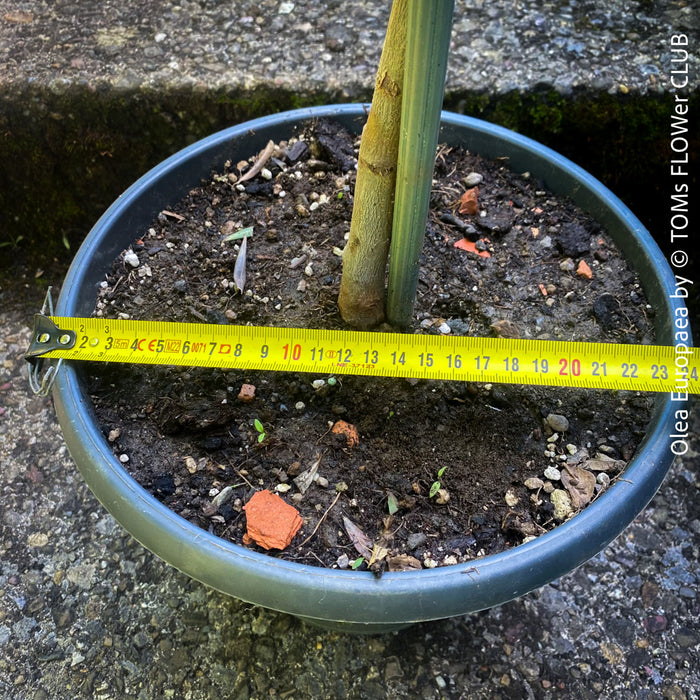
(259, 163)
(322, 518)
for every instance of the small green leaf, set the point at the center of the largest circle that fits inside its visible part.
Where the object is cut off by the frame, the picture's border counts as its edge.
(441, 472)
(241, 233)
(261, 437)
(392, 503)
(435, 487)
(357, 563)
(258, 426)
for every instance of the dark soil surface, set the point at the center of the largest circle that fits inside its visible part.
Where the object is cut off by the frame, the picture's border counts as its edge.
(186, 437)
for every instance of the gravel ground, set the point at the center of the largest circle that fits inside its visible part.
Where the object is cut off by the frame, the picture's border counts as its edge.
(86, 612)
(305, 45)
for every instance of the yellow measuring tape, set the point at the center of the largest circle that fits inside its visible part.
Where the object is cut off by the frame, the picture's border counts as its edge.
(445, 357)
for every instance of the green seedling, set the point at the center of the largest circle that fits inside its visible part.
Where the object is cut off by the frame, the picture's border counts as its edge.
(260, 430)
(436, 485)
(357, 563)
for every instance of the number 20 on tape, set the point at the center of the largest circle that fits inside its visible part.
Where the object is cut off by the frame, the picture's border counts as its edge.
(558, 363)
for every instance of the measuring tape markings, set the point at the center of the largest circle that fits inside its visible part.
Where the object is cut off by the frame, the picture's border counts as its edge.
(445, 357)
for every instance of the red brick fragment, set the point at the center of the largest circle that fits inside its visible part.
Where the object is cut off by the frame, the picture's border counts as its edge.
(271, 522)
(583, 270)
(247, 393)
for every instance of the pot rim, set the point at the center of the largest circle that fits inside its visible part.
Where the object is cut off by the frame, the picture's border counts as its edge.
(338, 595)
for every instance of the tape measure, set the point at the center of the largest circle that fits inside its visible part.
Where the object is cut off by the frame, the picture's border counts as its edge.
(445, 357)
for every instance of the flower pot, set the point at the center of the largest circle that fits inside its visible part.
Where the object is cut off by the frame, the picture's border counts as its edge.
(354, 600)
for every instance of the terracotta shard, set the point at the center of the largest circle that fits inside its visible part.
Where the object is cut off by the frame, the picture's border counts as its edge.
(470, 247)
(271, 522)
(247, 393)
(583, 270)
(342, 427)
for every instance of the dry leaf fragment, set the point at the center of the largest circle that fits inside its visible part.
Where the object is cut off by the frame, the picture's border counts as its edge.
(239, 274)
(259, 163)
(580, 484)
(469, 201)
(172, 215)
(604, 465)
(404, 562)
(306, 478)
(19, 17)
(505, 329)
(360, 541)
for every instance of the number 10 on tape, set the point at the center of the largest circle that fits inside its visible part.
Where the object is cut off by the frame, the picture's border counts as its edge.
(457, 358)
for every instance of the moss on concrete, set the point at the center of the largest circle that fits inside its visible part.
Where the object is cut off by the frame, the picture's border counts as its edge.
(68, 154)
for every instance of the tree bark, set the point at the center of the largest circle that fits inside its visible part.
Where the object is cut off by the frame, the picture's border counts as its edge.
(362, 287)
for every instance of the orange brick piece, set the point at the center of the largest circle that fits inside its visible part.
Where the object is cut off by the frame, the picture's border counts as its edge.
(271, 522)
(584, 270)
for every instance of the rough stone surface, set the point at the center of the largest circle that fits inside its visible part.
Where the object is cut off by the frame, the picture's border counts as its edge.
(87, 612)
(94, 94)
(306, 46)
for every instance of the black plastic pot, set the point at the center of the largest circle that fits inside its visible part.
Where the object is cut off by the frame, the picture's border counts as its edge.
(357, 601)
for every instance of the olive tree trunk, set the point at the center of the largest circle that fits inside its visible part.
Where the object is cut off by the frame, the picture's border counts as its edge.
(362, 288)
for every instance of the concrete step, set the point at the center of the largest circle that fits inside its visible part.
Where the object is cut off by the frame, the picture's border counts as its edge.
(94, 94)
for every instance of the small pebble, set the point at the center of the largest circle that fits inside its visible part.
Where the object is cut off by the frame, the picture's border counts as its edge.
(473, 179)
(223, 496)
(511, 499)
(130, 258)
(124, 458)
(444, 329)
(534, 483)
(557, 422)
(318, 383)
(553, 437)
(603, 479)
(562, 504)
(265, 174)
(415, 540)
(322, 482)
(552, 473)
(567, 265)
(300, 405)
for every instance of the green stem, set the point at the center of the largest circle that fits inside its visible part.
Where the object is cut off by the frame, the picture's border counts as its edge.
(427, 46)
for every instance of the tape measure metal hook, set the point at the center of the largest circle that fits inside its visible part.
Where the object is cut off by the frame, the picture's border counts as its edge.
(46, 336)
